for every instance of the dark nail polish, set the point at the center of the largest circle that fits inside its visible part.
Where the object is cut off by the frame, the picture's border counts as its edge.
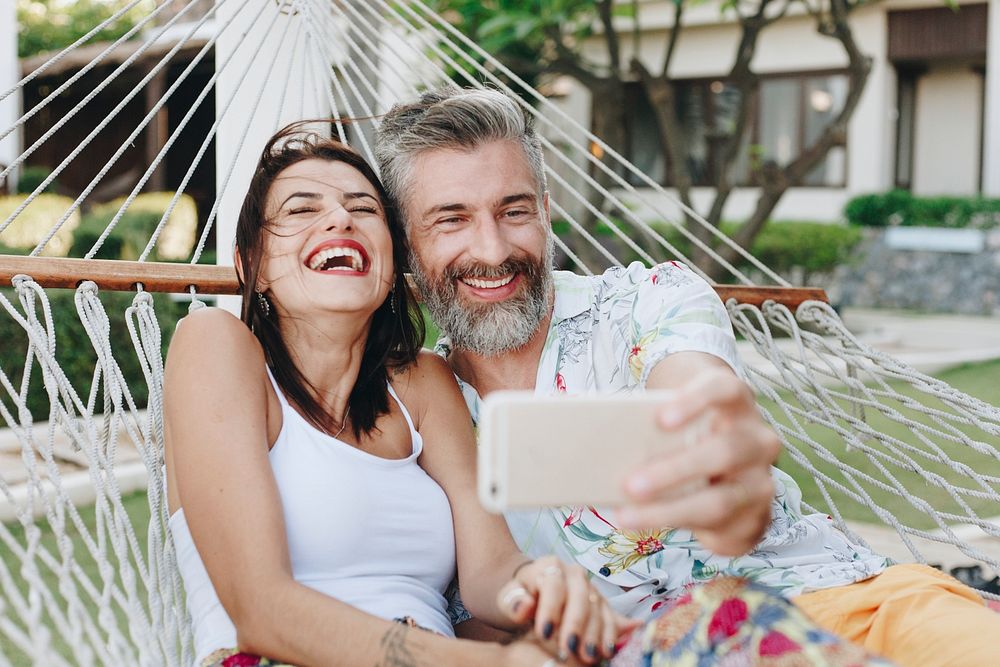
(573, 643)
(591, 651)
(547, 630)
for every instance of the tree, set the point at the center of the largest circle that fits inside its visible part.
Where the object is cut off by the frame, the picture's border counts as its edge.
(543, 37)
(47, 25)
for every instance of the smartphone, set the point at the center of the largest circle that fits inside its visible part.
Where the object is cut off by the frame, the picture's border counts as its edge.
(537, 451)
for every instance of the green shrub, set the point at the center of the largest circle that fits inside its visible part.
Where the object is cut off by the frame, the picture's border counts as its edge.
(899, 207)
(208, 256)
(878, 210)
(782, 245)
(179, 234)
(975, 212)
(31, 177)
(126, 241)
(810, 246)
(136, 226)
(74, 351)
(36, 221)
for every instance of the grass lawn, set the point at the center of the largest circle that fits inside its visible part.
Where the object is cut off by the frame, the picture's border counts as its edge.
(979, 380)
(138, 511)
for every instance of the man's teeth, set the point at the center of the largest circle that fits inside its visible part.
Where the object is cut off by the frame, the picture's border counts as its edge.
(323, 256)
(487, 284)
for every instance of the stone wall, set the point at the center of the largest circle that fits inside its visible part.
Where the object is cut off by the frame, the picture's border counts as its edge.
(882, 274)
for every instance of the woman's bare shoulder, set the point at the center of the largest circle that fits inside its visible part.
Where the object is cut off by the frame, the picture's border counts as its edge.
(425, 382)
(428, 369)
(211, 340)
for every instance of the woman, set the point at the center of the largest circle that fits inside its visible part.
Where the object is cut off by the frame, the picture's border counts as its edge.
(312, 452)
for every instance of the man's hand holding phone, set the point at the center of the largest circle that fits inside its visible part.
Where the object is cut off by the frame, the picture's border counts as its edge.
(732, 456)
(693, 453)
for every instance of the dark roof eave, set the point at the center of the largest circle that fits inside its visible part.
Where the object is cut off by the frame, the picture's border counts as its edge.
(81, 56)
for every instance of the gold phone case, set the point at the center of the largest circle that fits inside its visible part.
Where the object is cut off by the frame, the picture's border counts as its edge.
(537, 451)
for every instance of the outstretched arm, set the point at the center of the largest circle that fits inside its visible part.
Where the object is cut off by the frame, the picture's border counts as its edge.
(727, 472)
(216, 406)
(674, 333)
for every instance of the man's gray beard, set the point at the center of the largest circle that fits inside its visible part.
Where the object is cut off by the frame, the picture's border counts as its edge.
(489, 329)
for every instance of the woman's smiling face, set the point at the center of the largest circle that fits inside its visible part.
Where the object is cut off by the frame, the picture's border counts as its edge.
(327, 245)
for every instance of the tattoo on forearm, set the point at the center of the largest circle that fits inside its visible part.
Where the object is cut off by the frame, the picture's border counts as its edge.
(395, 651)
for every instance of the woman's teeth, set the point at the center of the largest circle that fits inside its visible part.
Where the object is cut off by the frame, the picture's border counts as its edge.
(487, 284)
(327, 260)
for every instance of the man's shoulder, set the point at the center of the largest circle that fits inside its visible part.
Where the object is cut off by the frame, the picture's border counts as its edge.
(619, 284)
(574, 287)
(670, 273)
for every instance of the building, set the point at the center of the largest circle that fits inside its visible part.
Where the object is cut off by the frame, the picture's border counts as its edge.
(920, 124)
(10, 105)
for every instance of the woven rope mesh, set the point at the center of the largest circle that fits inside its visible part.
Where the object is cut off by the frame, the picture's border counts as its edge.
(152, 138)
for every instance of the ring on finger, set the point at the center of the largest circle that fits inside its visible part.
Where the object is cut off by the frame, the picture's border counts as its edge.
(551, 662)
(513, 594)
(551, 570)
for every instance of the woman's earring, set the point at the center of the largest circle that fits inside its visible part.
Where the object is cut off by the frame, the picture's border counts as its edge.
(392, 299)
(265, 306)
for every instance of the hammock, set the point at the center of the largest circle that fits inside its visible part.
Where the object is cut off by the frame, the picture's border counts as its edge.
(85, 582)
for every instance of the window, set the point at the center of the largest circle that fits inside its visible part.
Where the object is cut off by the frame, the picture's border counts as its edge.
(790, 113)
(906, 105)
(643, 137)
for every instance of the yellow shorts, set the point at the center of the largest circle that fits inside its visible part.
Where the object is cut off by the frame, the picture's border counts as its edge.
(912, 614)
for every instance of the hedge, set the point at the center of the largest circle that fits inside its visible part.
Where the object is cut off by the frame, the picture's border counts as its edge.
(135, 227)
(900, 207)
(810, 246)
(33, 176)
(178, 236)
(35, 222)
(126, 241)
(77, 236)
(74, 351)
(782, 245)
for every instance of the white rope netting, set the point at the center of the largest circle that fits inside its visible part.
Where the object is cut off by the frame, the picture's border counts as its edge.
(87, 569)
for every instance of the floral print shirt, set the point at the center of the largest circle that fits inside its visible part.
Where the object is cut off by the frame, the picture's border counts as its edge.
(606, 335)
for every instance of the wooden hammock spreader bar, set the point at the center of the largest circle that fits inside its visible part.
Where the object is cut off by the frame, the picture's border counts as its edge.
(121, 276)
(118, 275)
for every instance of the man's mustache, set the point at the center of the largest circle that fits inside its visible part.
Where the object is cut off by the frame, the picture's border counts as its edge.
(483, 271)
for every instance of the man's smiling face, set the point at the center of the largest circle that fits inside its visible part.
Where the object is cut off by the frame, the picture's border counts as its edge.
(480, 243)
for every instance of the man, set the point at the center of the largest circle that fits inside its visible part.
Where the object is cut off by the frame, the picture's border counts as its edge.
(466, 170)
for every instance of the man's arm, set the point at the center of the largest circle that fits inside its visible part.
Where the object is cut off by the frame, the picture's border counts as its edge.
(733, 455)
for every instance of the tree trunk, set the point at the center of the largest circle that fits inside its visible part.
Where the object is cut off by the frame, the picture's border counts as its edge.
(662, 95)
(776, 181)
(608, 123)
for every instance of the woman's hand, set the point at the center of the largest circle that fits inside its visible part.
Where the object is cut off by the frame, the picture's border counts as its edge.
(570, 617)
(529, 652)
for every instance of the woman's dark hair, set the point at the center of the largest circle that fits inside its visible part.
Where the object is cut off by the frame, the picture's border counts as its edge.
(397, 329)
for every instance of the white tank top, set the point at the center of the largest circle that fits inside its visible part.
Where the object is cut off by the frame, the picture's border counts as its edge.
(375, 533)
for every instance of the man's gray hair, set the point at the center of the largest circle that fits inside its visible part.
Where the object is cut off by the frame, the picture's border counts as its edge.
(452, 118)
